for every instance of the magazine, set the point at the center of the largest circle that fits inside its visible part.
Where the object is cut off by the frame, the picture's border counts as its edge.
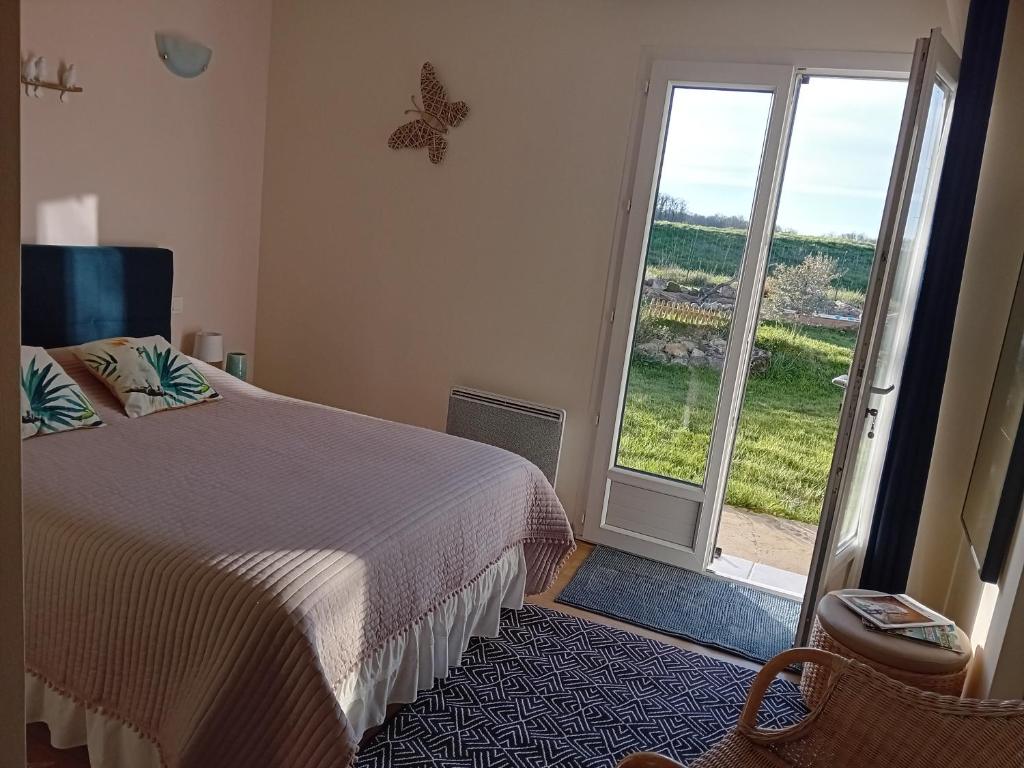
(893, 611)
(943, 637)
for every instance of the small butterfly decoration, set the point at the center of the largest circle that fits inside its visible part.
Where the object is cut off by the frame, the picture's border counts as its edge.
(436, 116)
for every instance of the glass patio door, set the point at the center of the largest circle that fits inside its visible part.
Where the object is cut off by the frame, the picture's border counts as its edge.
(682, 334)
(873, 383)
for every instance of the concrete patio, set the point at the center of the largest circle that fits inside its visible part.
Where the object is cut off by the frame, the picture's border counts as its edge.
(765, 550)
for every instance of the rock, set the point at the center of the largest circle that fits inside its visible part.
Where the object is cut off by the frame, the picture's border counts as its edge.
(719, 343)
(679, 361)
(698, 358)
(648, 282)
(727, 292)
(676, 349)
(658, 284)
(689, 344)
(673, 287)
(651, 351)
(760, 360)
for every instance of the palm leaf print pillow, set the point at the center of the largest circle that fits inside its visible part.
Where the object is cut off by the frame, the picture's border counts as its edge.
(146, 375)
(51, 401)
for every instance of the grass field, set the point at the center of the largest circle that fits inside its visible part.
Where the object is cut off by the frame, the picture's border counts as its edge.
(718, 251)
(787, 426)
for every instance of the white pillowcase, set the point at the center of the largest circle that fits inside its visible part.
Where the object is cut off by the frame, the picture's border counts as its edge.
(147, 375)
(51, 401)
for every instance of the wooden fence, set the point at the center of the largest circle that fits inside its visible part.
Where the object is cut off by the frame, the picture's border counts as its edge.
(688, 314)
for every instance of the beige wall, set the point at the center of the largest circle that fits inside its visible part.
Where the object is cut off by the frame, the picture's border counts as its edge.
(147, 158)
(943, 570)
(385, 280)
(12, 675)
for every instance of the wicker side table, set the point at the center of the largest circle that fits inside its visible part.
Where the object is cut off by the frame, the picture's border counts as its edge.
(838, 630)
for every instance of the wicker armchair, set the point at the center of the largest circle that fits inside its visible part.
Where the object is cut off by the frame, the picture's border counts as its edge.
(866, 719)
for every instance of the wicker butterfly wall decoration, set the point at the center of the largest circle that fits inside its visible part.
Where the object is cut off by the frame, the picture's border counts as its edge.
(436, 116)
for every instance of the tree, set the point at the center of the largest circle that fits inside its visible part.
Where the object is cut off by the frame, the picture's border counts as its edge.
(794, 292)
(669, 208)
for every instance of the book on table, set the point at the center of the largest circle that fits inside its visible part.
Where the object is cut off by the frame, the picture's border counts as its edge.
(902, 616)
(943, 636)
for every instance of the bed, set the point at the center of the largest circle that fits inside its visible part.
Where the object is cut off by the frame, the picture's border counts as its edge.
(251, 581)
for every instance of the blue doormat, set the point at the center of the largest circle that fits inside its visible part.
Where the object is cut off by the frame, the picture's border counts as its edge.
(710, 611)
(556, 691)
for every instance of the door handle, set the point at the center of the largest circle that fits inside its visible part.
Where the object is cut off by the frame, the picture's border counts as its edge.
(844, 381)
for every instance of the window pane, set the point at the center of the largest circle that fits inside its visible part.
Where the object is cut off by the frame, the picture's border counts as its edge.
(711, 158)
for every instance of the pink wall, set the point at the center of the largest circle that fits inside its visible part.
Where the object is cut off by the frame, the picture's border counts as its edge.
(401, 278)
(146, 158)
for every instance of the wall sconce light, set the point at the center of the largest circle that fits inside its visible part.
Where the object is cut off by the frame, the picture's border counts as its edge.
(183, 57)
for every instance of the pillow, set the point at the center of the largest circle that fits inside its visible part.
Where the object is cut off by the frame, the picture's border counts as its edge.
(146, 375)
(51, 401)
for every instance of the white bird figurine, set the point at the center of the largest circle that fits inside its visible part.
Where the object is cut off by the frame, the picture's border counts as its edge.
(68, 79)
(30, 72)
(40, 74)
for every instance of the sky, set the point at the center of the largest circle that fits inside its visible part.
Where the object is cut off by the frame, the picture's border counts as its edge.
(841, 152)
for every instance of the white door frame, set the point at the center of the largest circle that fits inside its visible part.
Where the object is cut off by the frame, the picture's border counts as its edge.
(666, 75)
(626, 269)
(933, 59)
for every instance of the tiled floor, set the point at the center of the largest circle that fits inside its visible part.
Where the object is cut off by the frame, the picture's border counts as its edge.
(42, 755)
(761, 575)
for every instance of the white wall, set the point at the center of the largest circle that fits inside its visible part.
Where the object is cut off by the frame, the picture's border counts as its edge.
(12, 674)
(146, 158)
(943, 573)
(385, 280)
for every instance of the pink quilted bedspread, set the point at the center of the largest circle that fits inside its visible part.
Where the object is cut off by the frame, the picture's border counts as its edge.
(207, 575)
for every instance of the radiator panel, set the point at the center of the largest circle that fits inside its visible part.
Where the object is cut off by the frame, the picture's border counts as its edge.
(527, 429)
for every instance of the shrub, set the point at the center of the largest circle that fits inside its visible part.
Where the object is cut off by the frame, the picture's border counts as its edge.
(793, 291)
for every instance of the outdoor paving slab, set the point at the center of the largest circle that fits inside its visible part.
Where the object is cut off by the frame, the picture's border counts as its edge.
(773, 541)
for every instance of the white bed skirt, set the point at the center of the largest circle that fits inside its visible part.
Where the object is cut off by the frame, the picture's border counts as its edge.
(407, 664)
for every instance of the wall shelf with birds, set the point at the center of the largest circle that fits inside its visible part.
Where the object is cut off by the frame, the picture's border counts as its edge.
(34, 73)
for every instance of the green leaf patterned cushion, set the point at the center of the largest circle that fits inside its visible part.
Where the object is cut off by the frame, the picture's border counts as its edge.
(51, 401)
(146, 375)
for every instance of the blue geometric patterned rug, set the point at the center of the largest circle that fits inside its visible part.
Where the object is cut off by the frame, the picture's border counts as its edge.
(556, 691)
(749, 622)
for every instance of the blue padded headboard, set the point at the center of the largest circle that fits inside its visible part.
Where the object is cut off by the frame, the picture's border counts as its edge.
(74, 294)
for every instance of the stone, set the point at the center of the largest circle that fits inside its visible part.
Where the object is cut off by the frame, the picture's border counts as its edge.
(684, 361)
(697, 352)
(650, 351)
(658, 284)
(719, 343)
(676, 349)
(760, 360)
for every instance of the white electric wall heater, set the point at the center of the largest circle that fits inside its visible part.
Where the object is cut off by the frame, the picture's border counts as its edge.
(533, 431)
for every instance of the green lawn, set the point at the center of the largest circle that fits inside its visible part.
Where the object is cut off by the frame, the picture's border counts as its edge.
(787, 427)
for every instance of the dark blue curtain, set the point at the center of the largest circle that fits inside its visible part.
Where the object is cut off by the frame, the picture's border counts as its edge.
(905, 473)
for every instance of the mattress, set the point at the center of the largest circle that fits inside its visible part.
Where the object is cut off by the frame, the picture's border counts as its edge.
(227, 579)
